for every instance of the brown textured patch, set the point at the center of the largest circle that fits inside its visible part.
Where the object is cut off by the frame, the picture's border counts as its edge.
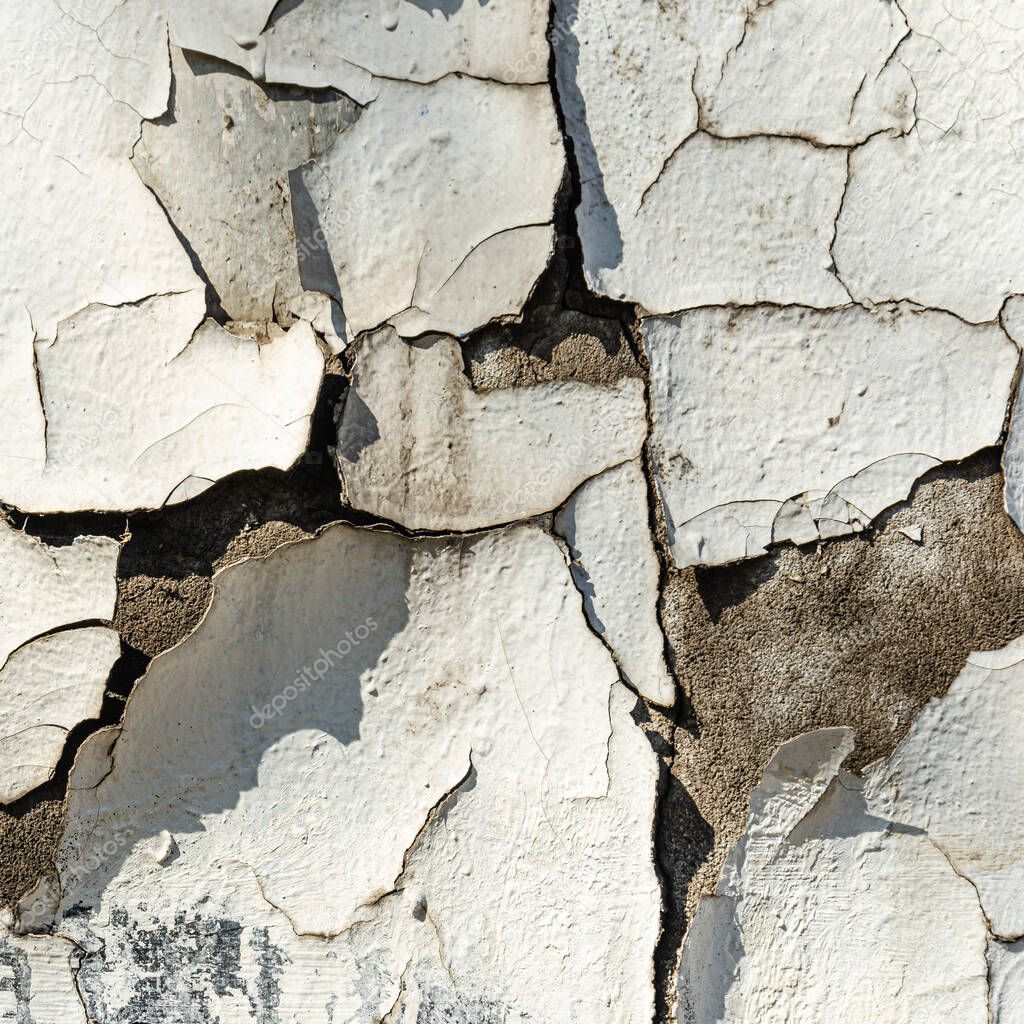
(163, 592)
(165, 569)
(29, 832)
(860, 632)
(570, 346)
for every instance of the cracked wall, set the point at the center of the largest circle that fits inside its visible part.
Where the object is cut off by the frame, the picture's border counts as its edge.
(511, 513)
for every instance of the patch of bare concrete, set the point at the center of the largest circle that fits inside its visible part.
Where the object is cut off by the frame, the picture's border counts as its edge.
(864, 630)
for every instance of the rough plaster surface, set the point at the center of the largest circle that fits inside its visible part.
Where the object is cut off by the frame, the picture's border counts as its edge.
(864, 630)
(416, 910)
(498, 503)
(926, 845)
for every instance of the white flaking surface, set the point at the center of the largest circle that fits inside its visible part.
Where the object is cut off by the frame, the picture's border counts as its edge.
(1012, 319)
(195, 402)
(416, 444)
(356, 48)
(959, 776)
(672, 218)
(726, 222)
(828, 72)
(935, 217)
(606, 524)
(47, 688)
(1006, 981)
(925, 853)
(793, 424)
(52, 673)
(820, 882)
(455, 814)
(220, 166)
(436, 205)
(109, 401)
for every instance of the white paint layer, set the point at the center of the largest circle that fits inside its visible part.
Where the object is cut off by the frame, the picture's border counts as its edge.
(195, 404)
(435, 207)
(912, 874)
(53, 671)
(356, 49)
(381, 774)
(793, 424)
(606, 524)
(819, 881)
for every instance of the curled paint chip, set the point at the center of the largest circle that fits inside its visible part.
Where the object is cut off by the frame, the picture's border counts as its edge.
(606, 524)
(357, 49)
(54, 655)
(435, 208)
(194, 404)
(917, 866)
(820, 878)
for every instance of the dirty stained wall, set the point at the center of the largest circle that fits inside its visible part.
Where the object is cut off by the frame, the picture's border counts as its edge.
(511, 512)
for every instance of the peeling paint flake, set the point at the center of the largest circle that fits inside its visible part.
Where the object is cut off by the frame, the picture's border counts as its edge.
(819, 880)
(54, 654)
(37, 980)
(924, 853)
(435, 208)
(356, 49)
(417, 446)
(811, 433)
(606, 524)
(195, 404)
(220, 164)
(430, 730)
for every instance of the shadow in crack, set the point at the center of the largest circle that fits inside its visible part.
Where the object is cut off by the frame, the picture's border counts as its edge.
(683, 842)
(599, 228)
(316, 268)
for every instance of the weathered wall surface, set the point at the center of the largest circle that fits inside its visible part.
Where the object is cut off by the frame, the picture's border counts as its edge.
(511, 513)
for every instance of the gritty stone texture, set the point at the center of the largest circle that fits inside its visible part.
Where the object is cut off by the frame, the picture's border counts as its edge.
(570, 346)
(862, 631)
(419, 447)
(28, 841)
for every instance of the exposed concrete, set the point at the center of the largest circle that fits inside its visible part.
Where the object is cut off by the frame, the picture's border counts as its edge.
(164, 584)
(29, 832)
(572, 346)
(163, 591)
(864, 631)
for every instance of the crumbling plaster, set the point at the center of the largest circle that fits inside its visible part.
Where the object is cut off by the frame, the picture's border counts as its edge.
(499, 502)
